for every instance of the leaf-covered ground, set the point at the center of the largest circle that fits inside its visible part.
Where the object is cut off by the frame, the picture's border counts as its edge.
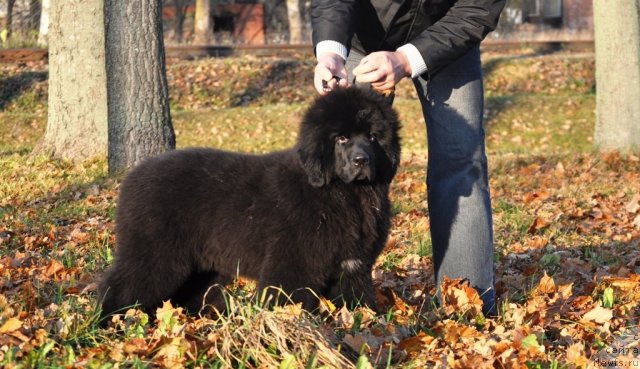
(566, 219)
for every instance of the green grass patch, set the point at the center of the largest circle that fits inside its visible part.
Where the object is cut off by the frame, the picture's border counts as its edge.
(540, 124)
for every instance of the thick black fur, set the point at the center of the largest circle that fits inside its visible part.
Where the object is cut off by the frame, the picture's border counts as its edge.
(314, 217)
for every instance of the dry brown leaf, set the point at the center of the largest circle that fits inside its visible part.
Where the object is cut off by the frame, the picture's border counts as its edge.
(415, 344)
(136, 346)
(456, 332)
(530, 197)
(546, 285)
(538, 224)
(598, 315)
(53, 268)
(636, 221)
(357, 343)
(576, 355)
(171, 354)
(458, 297)
(345, 318)
(634, 205)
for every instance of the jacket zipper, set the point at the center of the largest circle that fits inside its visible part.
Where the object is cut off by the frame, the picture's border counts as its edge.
(413, 22)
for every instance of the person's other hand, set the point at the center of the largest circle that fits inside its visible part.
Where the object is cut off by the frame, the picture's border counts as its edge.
(383, 69)
(330, 65)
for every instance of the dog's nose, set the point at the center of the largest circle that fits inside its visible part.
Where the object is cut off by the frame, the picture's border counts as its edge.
(361, 160)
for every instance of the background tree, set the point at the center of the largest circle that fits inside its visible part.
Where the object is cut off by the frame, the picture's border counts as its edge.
(33, 21)
(8, 23)
(617, 36)
(295, 22)
(44, 23)
(203, 24)
(138, 98)
(77, 121)
(180, 7)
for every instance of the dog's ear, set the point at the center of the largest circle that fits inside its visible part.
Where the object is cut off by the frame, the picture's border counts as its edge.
(312, 160)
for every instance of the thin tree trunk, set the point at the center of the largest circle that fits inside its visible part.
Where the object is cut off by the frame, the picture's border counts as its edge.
(35, 8)
(77, 122)
(295, 22)
(139, 118)
(617, 36)
(44, 23)
(9, 21)
(203, 23)
(178, 29)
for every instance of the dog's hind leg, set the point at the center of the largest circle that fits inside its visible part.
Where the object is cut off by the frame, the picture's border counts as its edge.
(145, 280)
(352, 290)
(203, 292)
(287, 283)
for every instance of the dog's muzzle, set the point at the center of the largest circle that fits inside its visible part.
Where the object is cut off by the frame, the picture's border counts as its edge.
(361, 167)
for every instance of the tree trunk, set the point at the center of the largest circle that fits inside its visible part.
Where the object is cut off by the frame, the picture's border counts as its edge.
(77, 122)
(178, 29)
(35, 9)
(44, 24)
(139, 118)
(8, 25)
(203, 23)
(617, 36)
(295, 22)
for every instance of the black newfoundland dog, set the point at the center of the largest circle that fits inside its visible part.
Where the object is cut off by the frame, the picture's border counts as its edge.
(310, 220)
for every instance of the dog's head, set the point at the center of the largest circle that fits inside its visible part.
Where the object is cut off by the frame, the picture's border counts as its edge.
(350, 134)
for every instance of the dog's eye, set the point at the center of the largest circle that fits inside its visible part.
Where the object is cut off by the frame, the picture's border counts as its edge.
(373, 137)
(342, 140)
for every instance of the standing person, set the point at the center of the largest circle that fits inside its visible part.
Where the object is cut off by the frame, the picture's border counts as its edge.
(436, 44)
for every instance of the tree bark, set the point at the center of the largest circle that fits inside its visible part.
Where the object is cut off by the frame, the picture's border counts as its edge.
(295, 22)
(44, 24)
(138, 99)
(77, 115)
(178, 29)
(35, 8)
(203, 23)
(617, 36)
(8, 25)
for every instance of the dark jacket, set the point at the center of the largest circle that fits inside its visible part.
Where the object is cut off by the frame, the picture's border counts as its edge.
(442, 30)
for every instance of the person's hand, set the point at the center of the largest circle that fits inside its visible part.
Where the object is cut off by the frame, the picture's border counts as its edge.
(383, 69)
(329, 73)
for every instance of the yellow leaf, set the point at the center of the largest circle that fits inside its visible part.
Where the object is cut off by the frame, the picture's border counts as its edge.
(13, 324)
(327, 305)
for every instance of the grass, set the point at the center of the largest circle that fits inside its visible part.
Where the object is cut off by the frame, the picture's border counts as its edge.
(559, 208)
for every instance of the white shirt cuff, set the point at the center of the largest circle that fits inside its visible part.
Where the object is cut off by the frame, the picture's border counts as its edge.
(331, 46)
(416, 62)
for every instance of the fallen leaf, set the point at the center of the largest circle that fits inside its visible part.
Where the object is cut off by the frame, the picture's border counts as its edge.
(598, 315)
(546, 285)
(357, 343)
(538, 224)
(53, 268)
(541, 195)
(634, 205)
(415, 344)
(575, 355)
(12, 324)
(458, 297)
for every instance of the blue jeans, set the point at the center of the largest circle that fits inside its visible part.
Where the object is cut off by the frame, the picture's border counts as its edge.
(457, 181)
